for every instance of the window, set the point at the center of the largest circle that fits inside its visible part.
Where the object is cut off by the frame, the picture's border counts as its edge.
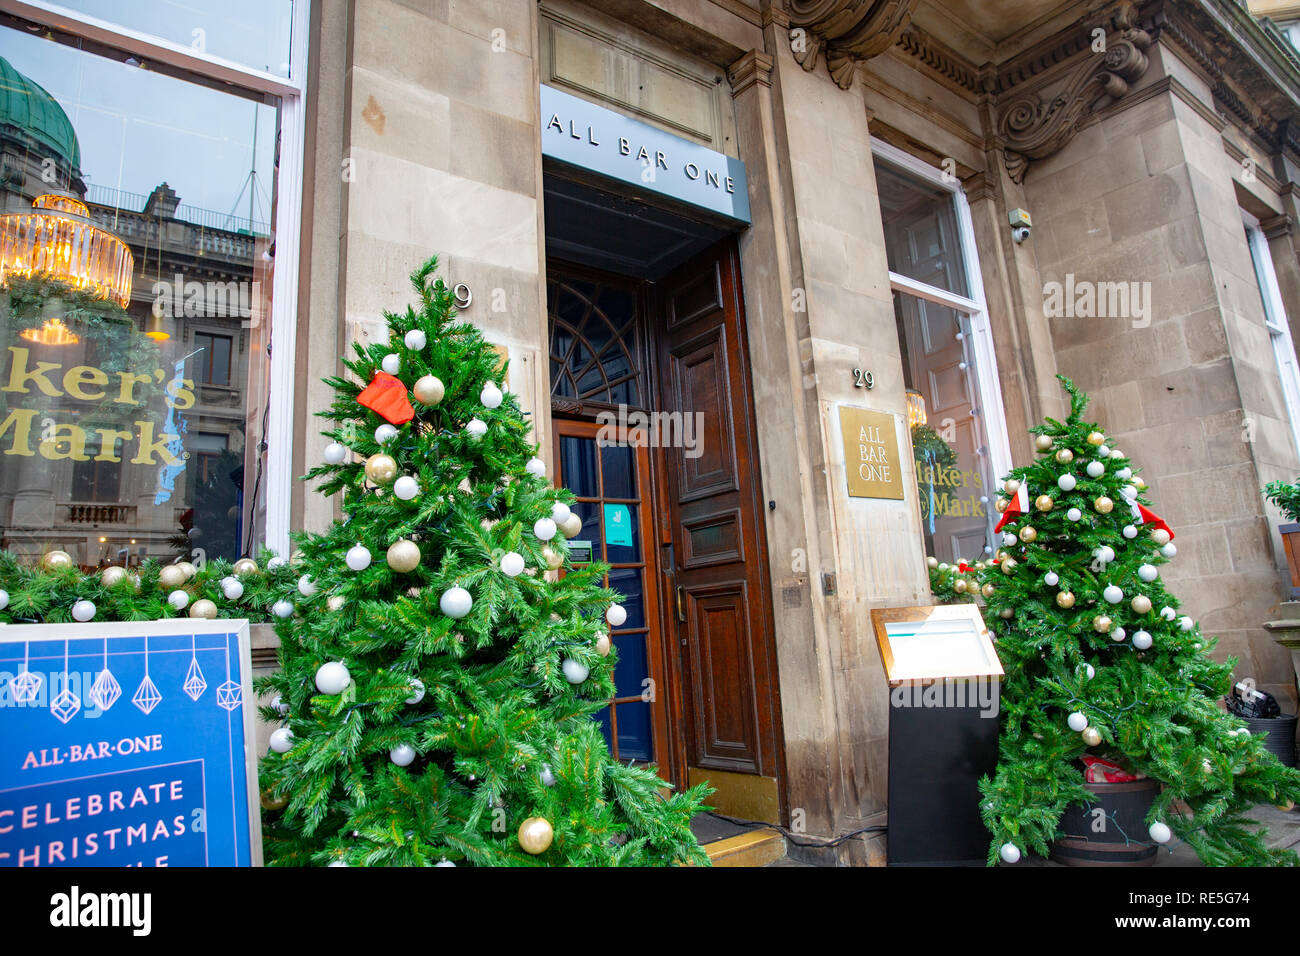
(212, 358)
(162, 143)
(958, 430)
(1279, 329)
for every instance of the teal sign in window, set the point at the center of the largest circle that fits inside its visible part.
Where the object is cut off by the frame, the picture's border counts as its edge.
(618, 525)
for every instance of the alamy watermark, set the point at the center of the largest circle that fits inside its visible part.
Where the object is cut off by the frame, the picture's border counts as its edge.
(193, 299)
(981, 693)
(683, 430)
(1086, 299)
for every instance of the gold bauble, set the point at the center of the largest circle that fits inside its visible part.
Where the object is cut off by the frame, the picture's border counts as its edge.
(1065, 456)
(189, 569)
(1103, 505)
(1160, 536)
(245, 566)
(1008, 565)
(1006, 613)
(111, 575)
(932, 562)
(203, 608)
(1043, 503)
(271, 802)
(571, 526)
(1138, 482)
(1091, 736)
(1101, 624)
(1001, 504)
(404, 556)
(553, 558)
(56, 560)
(1141, 604)
(428, 390)
(602, 644)
(987, 590)
(959, 586)
(171, 577)
(381, 469)
(1043, 442)
(335, 602)
(1065, 599)
(535, 835)
(1011, 486)
(1096, 438)
(1028, 534)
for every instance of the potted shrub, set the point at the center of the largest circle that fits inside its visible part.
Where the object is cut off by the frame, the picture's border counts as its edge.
(1286, 495)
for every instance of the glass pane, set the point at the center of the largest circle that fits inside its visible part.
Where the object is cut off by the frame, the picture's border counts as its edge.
(171, 341)
(921, 237)
(622, 534)
(602, 718)
(950, 446)
(627, 582)
(578, 466)
(589, 537)
(634, 735)
(632, 667)
(255, 33)
(619, 471)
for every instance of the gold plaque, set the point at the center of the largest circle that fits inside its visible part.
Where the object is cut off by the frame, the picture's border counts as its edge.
(871, 453)
(503, 352)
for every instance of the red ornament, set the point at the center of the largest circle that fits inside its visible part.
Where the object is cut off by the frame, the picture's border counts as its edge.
(1153, 519)
(1098, 770)
(1015, 508)
(387, 395)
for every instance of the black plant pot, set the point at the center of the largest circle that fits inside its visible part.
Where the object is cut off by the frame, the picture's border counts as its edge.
(1112, 830)
(1280, 739)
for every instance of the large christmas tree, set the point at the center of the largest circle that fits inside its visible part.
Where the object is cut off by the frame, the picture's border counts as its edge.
(1098, 660)
(440, 659)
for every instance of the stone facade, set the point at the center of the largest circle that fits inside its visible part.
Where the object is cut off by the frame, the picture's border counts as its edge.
(1136, 155)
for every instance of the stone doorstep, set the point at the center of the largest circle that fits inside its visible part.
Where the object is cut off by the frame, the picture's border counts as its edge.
(755, 848)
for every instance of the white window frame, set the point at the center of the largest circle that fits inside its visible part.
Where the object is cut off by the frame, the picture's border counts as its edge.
(974, 307)
(278, 478)
(1275, 319)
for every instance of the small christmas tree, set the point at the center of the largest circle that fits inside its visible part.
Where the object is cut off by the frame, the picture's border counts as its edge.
(1098, 660)
(437, 682)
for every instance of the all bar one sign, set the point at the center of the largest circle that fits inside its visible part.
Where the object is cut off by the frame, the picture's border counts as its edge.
(591, 137)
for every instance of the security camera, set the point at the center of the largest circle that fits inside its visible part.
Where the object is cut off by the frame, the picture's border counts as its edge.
(1020, 224)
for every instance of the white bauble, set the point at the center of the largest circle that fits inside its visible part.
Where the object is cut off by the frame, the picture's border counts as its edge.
(1116, 453)
(1089, 671)
(282, 609)
(1076, 722)
(392, 363)
(535, 467)
(512, 564)
(282, 740)
(280, 705)
(1105, 554)
(455, 602)
(84, 610)
(406, 487)
(1186, 623)
(335, 453)
(574, 672)
(275, 562)
(1074, 514)
(1066, 482)
(332, 677)
(1169, 550)
(1168, 613)
(1118, 634)
(544, 529)
(415, 340)
(1095, 469)
(337, 863)
(417, 691)
(491, 396)
(546, 776)
(560, 512)
(232, 588)
(1112, 594)
(403, 755)
(178, 599)
(385, 433)
(4, 599)
(1009, 853)
(1142, 640)
(306, 586)
(1103, 451)
(1160, 832)
(476, 428)
(616, 615)
(443, 862)
(1129, 492)
(1008, 540)
(1130, 532)
(1051, 579)
(1124, 474)
(358, 557)
(1148, 573)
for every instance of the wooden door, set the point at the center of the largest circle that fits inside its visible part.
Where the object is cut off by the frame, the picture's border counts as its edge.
(716, 562)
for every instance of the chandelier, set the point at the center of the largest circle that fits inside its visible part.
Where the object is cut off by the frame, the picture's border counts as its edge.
(57, 238)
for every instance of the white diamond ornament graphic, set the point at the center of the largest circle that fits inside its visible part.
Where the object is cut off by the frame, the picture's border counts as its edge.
(25, 687)
(105, 691)
(230, 695)
(194, 684)
(146, 696)
(65, 705)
